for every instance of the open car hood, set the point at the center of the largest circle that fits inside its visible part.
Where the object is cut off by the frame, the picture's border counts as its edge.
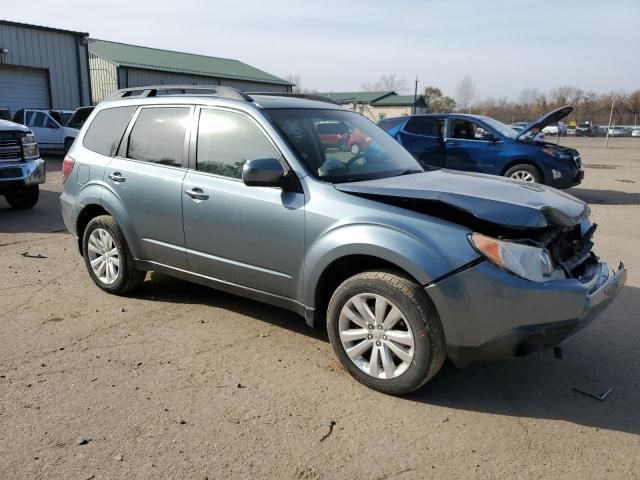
(547, 119)
(475, 199)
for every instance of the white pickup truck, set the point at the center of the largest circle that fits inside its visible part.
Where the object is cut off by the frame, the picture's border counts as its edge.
(55, 130)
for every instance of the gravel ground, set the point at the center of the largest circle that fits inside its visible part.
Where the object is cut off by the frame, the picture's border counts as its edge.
(179, 381)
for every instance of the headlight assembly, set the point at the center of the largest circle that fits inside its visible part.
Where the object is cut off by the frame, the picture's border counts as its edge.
(528, 262)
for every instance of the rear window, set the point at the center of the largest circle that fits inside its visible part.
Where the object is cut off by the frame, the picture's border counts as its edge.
(389, 123)
(105, 132)
(428, 126)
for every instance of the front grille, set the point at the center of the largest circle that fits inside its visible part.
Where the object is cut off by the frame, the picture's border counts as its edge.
(10, 147)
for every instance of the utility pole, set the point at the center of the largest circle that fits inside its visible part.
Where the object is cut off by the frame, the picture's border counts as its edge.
(606, 141)
(415, 97)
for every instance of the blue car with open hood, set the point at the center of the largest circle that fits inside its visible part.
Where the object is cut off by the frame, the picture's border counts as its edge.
(475, 143)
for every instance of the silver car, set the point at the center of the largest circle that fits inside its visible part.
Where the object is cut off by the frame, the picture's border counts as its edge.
(405, 266)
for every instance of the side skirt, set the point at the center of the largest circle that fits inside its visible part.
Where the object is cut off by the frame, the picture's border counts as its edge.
(233, 288)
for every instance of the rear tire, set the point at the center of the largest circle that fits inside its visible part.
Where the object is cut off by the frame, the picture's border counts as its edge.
(524, 173)
(27, 197)
(407, 352)
(104, 245)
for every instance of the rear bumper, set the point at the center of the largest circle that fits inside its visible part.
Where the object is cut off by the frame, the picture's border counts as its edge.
(15, 176)
(489, 314)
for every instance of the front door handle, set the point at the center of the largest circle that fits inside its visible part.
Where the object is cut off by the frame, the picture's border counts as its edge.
(453, 143)
(117, 177)
(197, 194)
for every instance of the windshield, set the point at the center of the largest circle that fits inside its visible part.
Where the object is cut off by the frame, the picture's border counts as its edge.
(341, 146)
(501, 128)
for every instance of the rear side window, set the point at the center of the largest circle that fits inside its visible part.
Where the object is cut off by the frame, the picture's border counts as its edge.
(428, 126)
(105, 132)
(389, 123)
(158, 136)
(226, 140)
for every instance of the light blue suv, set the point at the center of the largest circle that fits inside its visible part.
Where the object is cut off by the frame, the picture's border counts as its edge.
(405, 265)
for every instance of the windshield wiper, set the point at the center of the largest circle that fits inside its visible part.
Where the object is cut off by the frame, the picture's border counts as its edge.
(410, 171)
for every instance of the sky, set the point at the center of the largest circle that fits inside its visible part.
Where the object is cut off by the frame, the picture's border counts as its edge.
(337, 45)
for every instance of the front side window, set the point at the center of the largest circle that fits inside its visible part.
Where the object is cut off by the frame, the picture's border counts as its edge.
(105, 132)
(36, 119)
(366, 153)
(226, 140)
(158, 136)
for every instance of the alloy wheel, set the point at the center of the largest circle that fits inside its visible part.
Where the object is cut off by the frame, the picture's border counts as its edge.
(523, 176)
(104, 256)
(376, 336)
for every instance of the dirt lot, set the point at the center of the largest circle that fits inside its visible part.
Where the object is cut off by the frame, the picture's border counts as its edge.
(178, 381)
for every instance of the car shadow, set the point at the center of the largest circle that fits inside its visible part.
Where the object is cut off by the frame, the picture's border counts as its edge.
(606, 197)
(537, 386)
(165, 288)
(44, 217)
(541, 386)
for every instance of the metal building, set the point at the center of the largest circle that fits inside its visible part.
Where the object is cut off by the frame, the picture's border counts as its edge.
(42, 67)
(118, 65)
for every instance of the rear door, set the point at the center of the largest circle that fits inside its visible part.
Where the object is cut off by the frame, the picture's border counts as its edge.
(250, 236)
(147, 176)
(47, 131)
(422, 137)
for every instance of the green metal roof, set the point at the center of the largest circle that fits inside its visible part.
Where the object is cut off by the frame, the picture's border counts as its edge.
(126, 55)
(397, 101)
(360, 97)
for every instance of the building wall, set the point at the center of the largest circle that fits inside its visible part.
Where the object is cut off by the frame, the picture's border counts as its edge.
(135, 77)
(62, 55)
(373, 112)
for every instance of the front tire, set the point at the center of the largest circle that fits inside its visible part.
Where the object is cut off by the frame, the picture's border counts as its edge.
(386, 332)
(27, 197)
(107, 257)
(524, 173)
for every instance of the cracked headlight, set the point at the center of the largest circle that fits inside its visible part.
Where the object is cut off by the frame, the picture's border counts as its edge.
(528, 262)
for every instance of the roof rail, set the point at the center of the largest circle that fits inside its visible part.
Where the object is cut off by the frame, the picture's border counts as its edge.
(171, 90)
(317, 98)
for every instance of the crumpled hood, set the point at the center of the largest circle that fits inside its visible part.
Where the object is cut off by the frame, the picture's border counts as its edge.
(498, 200)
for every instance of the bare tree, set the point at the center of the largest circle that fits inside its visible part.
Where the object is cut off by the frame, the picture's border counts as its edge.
(466, 93)
(386, 83)
(296, 79)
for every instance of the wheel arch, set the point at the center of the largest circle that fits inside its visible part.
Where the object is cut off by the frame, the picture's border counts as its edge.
(344, 267)
(87, 213)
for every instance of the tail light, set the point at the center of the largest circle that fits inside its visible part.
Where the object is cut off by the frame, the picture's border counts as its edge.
(67, 166)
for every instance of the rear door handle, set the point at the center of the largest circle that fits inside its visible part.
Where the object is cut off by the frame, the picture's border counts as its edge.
(117, 177)
(197, 194)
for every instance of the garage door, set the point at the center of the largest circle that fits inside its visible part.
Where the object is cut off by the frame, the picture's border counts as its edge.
(23, 88)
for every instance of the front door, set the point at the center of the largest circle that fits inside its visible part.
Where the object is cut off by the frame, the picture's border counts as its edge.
(147, 177)
(468, 149)
(47, 131)
(249, 236)
(422, 137)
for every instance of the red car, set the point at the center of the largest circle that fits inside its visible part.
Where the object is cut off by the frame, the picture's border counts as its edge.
(358, 141)
(333, 134)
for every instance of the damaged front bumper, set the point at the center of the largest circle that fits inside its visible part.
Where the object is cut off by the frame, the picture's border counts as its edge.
(489, 314)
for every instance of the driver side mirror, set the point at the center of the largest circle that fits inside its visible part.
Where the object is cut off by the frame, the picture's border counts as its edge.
(263, 172)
